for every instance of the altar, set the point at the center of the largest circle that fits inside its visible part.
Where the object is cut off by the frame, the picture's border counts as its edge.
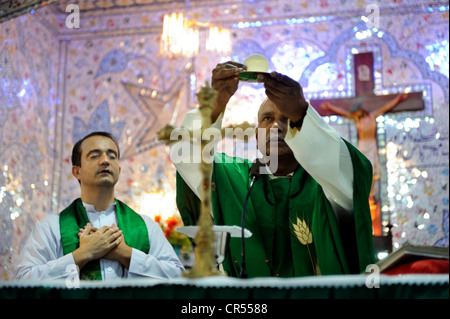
(412, 286)
(73, 67)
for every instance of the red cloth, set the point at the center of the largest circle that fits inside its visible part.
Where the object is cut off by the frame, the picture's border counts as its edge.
(424, 266)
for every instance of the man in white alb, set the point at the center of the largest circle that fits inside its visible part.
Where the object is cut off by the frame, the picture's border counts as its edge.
(97, 234)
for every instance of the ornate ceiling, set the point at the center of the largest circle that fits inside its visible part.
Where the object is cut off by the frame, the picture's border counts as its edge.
(13, 8)
(101, 5)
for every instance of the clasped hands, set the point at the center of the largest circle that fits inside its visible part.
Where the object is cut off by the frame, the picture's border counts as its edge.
(105, 242)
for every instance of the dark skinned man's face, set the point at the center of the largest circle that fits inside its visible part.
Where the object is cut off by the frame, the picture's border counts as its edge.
(269, 117)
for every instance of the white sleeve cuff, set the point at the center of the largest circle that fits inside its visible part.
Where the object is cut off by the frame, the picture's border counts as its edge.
(323, 154)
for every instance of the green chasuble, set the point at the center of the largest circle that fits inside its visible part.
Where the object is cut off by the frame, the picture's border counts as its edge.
(295, 231)
(74, 217)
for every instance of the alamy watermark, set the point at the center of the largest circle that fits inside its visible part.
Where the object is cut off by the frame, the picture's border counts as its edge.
(73, 278)
(73, 19)
(373, 19)
(187, 148)
(372, 276)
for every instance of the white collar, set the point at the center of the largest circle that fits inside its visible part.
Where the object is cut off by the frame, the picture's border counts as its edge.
(91, 209)
(271, 176)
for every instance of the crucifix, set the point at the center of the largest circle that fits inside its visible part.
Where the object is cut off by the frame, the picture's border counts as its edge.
(363, 108)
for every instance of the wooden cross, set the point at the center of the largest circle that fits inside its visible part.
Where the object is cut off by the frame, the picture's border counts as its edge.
(366, 100)
(364, 87)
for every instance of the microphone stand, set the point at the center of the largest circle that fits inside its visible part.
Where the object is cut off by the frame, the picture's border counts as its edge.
(254, 173)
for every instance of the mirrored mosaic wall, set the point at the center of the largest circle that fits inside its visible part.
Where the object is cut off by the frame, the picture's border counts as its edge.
(58, 84)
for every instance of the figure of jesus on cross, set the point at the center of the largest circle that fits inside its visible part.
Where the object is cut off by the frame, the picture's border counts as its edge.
(367, 127)
(367, 142)
(364, 108)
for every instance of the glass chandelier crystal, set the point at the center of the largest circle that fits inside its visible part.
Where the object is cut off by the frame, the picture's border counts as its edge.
(219, 40)
(178, 37)
(181, 37)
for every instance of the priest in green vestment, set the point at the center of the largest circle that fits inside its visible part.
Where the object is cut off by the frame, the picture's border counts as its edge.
(308, 214)
(97, 237)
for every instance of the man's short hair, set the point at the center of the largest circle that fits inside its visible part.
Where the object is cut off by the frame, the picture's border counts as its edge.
(76, 151)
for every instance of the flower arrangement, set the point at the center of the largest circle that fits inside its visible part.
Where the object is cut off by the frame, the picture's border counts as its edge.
(176, 239)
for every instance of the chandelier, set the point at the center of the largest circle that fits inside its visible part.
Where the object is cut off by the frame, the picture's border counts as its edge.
(178, 37)
(182, 37)
(219, 40)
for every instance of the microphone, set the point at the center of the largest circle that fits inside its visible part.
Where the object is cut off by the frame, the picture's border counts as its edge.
(254, 175)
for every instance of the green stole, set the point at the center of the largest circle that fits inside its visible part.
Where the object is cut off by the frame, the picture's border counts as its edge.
(336, 246)
(74, 217)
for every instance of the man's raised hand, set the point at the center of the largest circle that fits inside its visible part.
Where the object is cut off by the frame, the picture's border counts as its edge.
(286, 94)
(225, 80)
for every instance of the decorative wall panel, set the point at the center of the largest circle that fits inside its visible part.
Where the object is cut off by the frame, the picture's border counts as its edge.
(58, 84)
